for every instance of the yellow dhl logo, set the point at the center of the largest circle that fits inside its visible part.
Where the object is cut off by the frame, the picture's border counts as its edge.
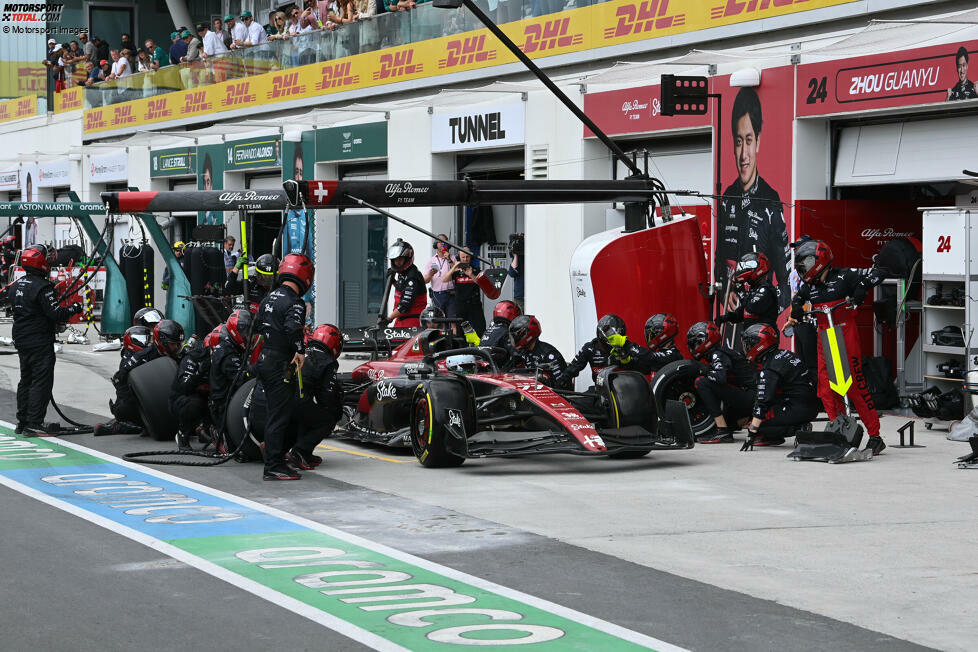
(237, 93)
(462, 52)
(156, 109)
(337, 75)
(93, 120)
(398, 64)
(195, 103)
(286, 85)
(122, 115)
(644, 17)
(550, 36)
(739, 7)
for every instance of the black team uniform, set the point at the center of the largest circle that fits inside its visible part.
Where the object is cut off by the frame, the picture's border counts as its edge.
(280, 321)
(729, 383)
(546, 357)
(188, 392)
(785, 397)
(758, 305)
(319, 407)
(36, 314)
(599, 356)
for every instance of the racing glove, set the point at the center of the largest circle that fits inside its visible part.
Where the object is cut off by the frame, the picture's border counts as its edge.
(382, 322)
(75, 308)
(242, 261)
(858, 295)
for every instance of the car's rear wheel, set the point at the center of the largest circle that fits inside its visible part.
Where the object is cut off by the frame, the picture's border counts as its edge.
(677, 382)
(429, 434)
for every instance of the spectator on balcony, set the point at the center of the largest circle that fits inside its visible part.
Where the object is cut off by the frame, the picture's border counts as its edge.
(120, 65)
(125, 43)
(293, 26)
(279, 26)
(101, 48)
(105, 69)
(256, 34)
(400, 5)
(130, 56)
(179, 48)
(188, 72)
(222, 38)
(344, 11)
(88, 48)
(366, 8)
(73, 58)
(91, 74)
(239, 33)
(143, 62)
(156, 55)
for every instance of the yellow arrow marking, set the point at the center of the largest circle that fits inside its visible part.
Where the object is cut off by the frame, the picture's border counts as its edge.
(844, 383)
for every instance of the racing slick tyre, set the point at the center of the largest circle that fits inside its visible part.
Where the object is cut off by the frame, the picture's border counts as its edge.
(631, 405)
(237, 424)
(150, 383)
(439, 408)
(676, 381)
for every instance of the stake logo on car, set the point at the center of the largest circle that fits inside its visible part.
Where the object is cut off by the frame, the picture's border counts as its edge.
(386, 391)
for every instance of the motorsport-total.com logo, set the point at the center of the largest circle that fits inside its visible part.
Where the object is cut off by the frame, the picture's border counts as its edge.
(32, 12)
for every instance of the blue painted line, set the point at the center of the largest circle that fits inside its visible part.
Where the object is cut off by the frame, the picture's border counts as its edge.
(157, 507)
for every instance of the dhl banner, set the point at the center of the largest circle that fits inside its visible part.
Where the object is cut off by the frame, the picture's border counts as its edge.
(575, 30)
(21, 107)
(18, 78)
(70, 99)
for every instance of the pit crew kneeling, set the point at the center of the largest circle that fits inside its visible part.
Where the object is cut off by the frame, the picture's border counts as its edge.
(786, 401)
(726, 387)
(188, 394)
(611, 348)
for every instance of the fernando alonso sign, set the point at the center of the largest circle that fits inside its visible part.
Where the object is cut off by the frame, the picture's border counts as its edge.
(478, 128)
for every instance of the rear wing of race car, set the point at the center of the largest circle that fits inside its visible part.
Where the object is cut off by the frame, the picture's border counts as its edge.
(379, 342)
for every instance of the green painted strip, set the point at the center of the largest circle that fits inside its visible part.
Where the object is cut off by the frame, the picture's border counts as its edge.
(17, 452)
(404, 603)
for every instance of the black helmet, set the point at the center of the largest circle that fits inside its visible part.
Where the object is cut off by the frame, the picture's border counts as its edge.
(168, 337)
(401, 255)
(148, 317)
(430, 313)
(265, 268)
(609, 327)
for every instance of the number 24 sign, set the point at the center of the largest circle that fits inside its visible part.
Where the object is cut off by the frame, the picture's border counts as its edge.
(943, 244)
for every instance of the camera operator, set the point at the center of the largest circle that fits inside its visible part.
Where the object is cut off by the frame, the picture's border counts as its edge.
(438, 272)
(468, 296)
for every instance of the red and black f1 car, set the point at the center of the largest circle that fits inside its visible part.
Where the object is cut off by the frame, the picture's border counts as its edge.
(455, 404)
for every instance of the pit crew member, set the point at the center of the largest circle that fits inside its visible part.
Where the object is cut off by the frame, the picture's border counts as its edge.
(530, 353)
(727, 386)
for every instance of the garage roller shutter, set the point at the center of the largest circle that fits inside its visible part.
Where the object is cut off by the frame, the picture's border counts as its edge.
(926, 151)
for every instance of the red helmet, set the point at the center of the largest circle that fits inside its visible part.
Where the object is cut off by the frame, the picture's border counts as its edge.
(137, 338)
(168, 337)
(237, 326)
(506, 310)
(751, 267)
(811, 259)
(401, 255)
(525, 331)
(35, 259)
(661, 329)
(328, 338)
(298, 269)
(8, 241)
(702, 336)
(759, 340)
(212, 338)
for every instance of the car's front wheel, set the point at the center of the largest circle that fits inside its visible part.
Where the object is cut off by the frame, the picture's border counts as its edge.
(430, 416)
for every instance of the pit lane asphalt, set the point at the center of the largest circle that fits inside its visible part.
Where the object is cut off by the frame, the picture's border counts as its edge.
(594, 535)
